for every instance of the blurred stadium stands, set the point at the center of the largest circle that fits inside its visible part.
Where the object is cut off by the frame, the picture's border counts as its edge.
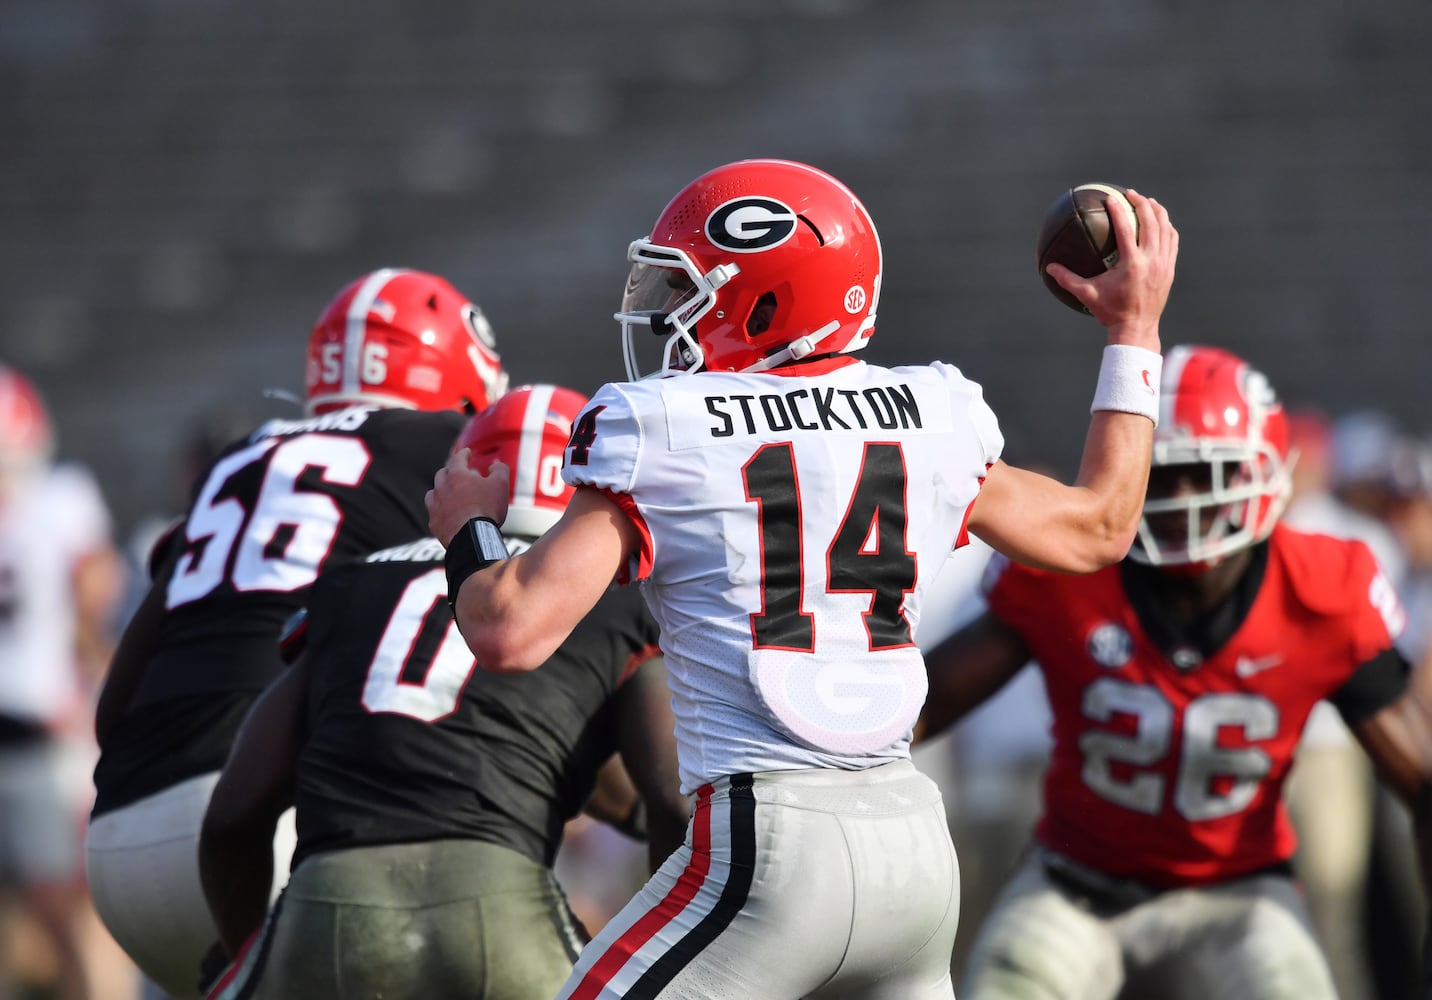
(184, 185)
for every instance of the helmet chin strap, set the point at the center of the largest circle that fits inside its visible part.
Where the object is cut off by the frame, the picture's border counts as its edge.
(795, 350)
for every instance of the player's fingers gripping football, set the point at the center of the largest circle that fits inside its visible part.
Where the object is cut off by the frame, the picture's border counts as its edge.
(460, 492)
(1129, 297)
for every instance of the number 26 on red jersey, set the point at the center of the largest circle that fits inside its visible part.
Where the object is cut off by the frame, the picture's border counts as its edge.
(1211, 780)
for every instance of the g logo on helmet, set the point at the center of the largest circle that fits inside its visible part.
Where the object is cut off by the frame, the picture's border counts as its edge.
(750, 225)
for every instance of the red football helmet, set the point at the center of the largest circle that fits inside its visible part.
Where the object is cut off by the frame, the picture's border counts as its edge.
(403, 338)
(1221, 467)
(752, 265)
(527, 430)
(25, 437)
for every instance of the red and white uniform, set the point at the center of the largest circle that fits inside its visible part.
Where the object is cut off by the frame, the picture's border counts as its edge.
(819, 861)
(1161, 867)
(1170, 775)
(820, 461)
(51, 521)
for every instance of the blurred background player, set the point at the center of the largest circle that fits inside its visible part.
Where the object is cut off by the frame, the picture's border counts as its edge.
(1357, 476)
(430, 794)
(61, 579)
(1410, 518)
(1332, 789)
(1180, 682)
(394, 362)
(989, 766)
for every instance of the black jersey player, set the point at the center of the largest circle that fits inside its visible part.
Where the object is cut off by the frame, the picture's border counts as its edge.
(430, 794)
(393, 363)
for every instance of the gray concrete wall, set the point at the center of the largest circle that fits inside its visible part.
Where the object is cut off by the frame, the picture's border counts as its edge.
(183, 186)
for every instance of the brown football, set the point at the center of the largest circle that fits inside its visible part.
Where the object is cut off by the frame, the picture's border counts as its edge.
(1077, 233)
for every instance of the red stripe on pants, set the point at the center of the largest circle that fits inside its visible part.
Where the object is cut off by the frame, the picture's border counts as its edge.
(681, 894)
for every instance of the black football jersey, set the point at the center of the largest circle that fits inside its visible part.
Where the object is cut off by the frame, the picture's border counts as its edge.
(409, 740)
(273, 511)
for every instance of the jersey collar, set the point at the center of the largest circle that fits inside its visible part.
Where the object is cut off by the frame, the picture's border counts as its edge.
(815, 366)
(1188, 642)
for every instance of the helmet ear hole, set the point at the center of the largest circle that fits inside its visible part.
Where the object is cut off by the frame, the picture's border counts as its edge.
(761, 315)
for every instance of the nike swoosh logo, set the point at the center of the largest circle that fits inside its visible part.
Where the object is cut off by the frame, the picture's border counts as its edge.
(1246, 667)
(1147, 384)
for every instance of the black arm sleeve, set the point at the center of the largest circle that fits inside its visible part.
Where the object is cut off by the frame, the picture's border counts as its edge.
(1378, 683)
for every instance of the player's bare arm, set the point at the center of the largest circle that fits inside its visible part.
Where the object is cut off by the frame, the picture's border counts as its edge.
(966, 670)
(1042, 522)
(97, 584)
(647, 739)
(639, 790)
(614, 798)
(515, 613)
(1398, 739)
(256, 786)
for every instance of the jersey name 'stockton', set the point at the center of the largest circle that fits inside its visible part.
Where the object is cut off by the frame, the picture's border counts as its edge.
(813, 408)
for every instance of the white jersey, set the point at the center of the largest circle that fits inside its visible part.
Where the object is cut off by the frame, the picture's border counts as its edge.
(792, 522)
(48, 524)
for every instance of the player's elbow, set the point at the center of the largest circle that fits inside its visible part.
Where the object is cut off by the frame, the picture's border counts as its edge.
(499, 636)
(504, 650)
(1087, 550)
(1108, 543)
(1103, 534)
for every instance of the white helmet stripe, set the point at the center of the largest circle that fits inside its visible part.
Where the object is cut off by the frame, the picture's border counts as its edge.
(529, 452)
(1173, 366)
(357, 324)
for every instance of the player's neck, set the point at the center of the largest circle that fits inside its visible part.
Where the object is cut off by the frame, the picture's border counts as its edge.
(1190, 595)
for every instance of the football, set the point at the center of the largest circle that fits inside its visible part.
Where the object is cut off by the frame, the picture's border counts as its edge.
(1077, 233)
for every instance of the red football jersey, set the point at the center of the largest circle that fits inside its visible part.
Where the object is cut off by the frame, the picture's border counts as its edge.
(1174, 776)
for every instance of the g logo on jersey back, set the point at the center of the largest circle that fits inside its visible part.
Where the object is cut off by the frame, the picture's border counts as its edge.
(750, 225)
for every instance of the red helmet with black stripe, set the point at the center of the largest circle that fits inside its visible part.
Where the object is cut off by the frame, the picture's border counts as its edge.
(403, 338)
(527, 430)
(752, 265)
(1221, 466)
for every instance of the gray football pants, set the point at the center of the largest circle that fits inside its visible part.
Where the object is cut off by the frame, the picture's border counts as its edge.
(449, 918)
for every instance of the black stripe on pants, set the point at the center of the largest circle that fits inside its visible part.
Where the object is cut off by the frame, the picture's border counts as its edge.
(733, 896)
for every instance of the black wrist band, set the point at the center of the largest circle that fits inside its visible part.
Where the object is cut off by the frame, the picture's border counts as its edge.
(477, 545)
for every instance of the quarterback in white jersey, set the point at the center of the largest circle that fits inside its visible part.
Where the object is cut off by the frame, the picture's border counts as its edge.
(785, 507)
(782, 590)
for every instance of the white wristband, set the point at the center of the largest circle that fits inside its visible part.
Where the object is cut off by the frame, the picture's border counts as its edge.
(1129, 381)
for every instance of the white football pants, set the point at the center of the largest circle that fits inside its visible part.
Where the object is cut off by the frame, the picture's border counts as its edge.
(813, 883)
(1250, 938)
(143, 867)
